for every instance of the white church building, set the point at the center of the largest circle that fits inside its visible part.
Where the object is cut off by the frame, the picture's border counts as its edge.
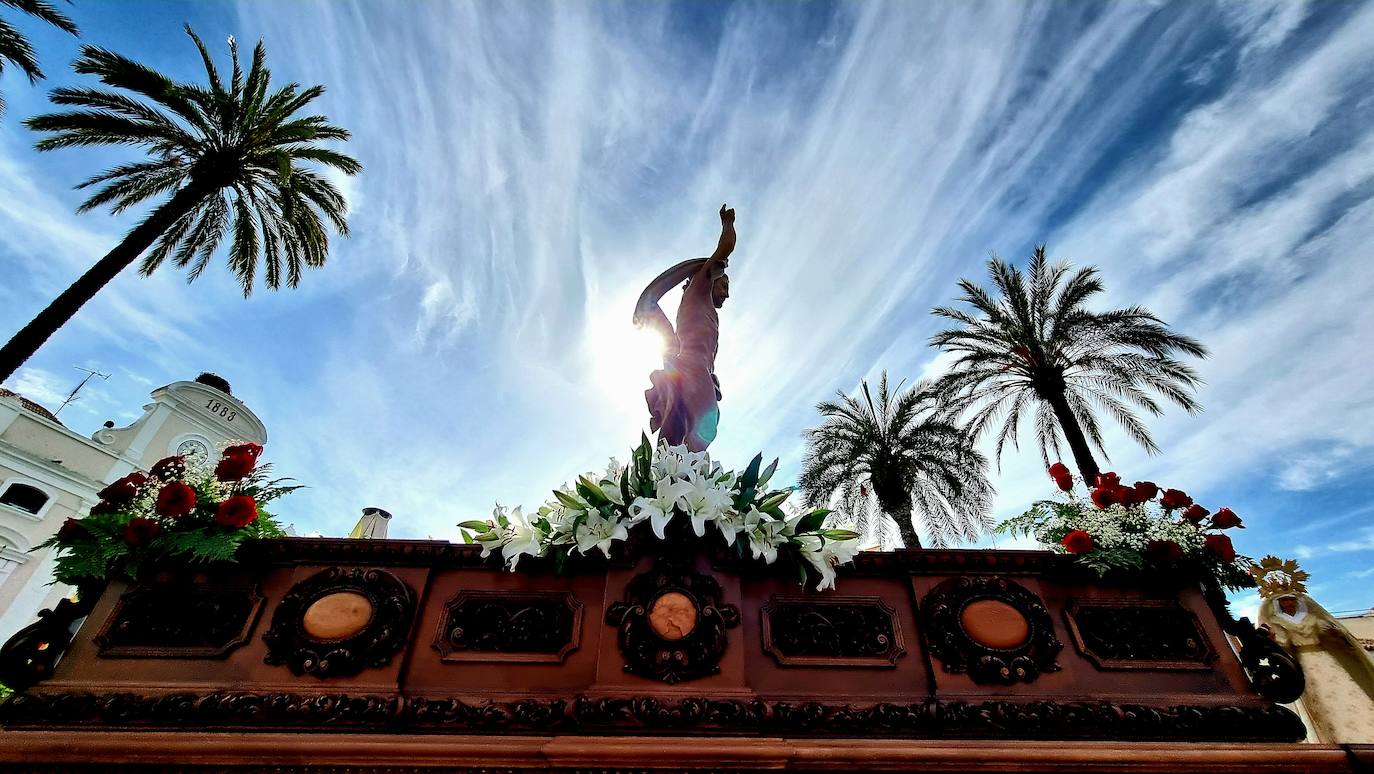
(49, 473)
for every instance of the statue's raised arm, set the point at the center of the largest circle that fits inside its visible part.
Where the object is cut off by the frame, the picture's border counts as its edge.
(683, 401)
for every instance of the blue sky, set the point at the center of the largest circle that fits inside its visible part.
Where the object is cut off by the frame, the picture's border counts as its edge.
(529, 167)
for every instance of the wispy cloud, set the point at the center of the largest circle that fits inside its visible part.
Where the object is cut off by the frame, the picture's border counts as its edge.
(528, 169)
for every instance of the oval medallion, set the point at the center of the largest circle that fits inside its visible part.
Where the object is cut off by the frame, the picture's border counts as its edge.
(673, 615)
(994, 624)
(337, 616)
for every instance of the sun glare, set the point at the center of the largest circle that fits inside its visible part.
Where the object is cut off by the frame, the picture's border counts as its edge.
(623, 355)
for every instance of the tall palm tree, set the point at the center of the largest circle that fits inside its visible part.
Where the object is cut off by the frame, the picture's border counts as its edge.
(902, 451)
(15, 48)
(1034, 343)
(232, 158)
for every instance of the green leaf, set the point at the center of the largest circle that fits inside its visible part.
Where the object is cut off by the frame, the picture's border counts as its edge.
(567, 500)
(591, 492)
(750, 479)
(767, 473)
(480, 527)
(625, 487)
(812, 521)
(840, 534)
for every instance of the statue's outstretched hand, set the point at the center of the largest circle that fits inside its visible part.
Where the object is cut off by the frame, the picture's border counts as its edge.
(727, 215)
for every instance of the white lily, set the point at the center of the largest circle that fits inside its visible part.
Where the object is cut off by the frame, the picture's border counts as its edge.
(659, 508)
(730, 522)
(524, 538)
(704, 501)
(765, 534)
(598, 532)
(825, 555)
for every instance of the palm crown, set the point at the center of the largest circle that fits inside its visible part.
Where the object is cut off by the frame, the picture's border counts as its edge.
(234, 159)
(1035, 345)
(15, 48)
(901, 451)
(233, 153)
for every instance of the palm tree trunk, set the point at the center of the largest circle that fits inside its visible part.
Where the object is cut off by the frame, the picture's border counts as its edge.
(1073, 433)
(898, 508)
(31, 336)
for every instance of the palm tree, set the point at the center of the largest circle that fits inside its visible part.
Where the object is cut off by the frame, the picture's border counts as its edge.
(904, 452)
(15, 48)
(233, 158)
(1036, 344)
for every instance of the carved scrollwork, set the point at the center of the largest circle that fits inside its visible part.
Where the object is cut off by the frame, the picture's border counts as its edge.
(179, 621)
(540, 626)
(991, 628)
(672, 623)
(340, 621)
(831, 631)
(929, 719)
(1138, 634)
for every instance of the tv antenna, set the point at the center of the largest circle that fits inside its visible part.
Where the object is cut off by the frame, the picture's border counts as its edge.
(73, 397)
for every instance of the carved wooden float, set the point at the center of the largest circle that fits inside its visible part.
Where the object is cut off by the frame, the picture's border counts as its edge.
(425, 644)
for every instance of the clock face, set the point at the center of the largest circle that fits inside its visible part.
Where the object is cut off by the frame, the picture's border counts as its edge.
(193, 450)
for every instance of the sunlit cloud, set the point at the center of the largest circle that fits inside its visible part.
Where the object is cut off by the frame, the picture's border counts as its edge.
(529, 169)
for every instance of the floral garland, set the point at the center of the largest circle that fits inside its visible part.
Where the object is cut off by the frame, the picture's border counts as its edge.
(1134, 527)
(178, 509)
(666, 485)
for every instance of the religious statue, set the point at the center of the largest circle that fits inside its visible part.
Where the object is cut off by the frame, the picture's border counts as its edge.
(684, 396)
(1338, 704)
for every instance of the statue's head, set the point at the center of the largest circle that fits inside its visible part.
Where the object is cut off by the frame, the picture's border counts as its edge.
(720, 289)
(1288, 604)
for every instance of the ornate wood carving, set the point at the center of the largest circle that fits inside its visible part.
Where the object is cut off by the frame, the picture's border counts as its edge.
(176, 620)
(672, 595)
(960, 651)
(538, 626)
(393, 609)
(1138, 634)
(930, 719)
(831, 631)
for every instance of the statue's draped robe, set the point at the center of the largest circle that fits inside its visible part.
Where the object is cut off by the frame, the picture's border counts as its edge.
(683, 401)
(1339, 699)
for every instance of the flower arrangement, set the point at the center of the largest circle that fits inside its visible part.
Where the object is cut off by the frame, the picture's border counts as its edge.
(666, 485)
(177, 510)
(1123, 527)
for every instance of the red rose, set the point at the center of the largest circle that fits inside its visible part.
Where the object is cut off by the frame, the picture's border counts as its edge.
(237, 511)
(1103, 498)
(169, 468)
(1195, 513)
(1124, 495)
(175, 500)
(1059, 470)
(1077, 542)
(71, 529)
(1220, 547)
(1064, 482)
(1175, 498)
(250, 449)
(124, 490)
(233, 468)
(1225, 518)
(1164, 551)
(103, 507)
(1108, 480)
(1145, 490)
(140, 530)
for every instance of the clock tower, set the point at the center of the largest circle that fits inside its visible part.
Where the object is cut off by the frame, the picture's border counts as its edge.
(195, 419)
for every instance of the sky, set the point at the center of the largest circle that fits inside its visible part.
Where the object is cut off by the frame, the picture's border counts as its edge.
(530, 167)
